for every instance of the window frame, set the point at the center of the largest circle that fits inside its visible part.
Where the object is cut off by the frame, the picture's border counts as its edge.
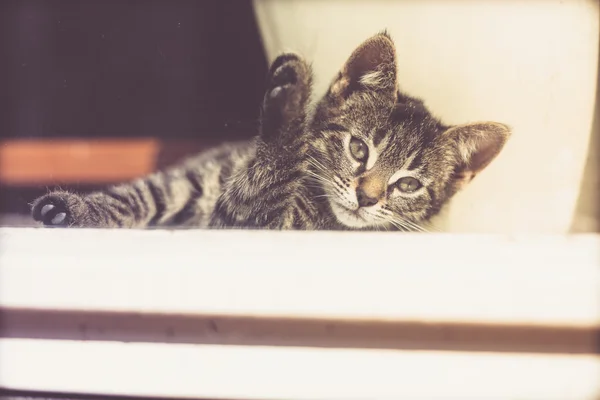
(312, 304)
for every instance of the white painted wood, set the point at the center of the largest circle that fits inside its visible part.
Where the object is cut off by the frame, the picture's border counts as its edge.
(551, 280)
(460, 278)
(291, 373)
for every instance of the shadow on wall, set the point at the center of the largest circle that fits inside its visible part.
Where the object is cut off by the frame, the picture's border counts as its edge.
(587, 213)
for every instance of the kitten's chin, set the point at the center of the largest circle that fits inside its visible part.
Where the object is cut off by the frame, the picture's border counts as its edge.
(351, 219)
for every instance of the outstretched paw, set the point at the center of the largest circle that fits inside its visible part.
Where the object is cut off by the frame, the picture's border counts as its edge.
(55, 209)
(290, 80)
(287, 94)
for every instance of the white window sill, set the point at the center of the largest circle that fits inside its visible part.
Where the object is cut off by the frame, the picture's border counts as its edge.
(352, 315)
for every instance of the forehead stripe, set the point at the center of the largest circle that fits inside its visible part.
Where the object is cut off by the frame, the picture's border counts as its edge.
(379, 136)
(335, 127)
(415, 160)
(409, 161)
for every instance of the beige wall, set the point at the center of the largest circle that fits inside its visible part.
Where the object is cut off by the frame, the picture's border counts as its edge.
(587, 216)
(530, 64)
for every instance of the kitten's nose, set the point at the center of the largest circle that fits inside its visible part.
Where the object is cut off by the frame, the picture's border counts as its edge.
(363, 199)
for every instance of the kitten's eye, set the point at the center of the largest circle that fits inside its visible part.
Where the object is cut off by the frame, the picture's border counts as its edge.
(408, 184)
(359, 149)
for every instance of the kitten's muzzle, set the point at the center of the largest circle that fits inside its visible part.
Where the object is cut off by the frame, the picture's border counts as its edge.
(369, 190)
(364, 200)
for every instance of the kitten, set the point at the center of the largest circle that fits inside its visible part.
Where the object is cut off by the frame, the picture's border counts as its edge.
(366, 156)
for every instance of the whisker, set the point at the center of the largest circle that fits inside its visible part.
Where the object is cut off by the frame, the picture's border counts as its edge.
(316, 163)
(413, 225)
(431, 227)
(405, 224)
(396, 219)
(417, 226)
(319, 178)
(399, 226)
(324, 195)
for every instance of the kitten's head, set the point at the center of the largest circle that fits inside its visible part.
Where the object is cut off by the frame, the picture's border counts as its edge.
(381, 158)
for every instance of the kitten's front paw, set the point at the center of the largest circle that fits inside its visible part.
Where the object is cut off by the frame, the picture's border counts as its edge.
(56, 209)
(286, 97)
(289, 83)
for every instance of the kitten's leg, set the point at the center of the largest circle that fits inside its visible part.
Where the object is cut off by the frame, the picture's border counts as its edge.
(260, 196)
(153, 200)
(270, 193)
(284, 106)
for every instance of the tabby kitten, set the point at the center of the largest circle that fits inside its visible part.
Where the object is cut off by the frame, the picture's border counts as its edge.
(365, 156)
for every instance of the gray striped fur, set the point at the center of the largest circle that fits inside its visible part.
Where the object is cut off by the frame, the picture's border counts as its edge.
(299, 172)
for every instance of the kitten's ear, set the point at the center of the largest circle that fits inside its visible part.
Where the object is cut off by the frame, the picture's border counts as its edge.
(372, 66)
(477, 144)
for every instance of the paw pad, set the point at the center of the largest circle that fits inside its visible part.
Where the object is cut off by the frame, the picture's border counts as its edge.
(285, 75)
(51, 210)
(276, 92)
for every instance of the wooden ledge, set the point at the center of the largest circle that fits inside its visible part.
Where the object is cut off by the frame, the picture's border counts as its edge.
(275, 373)
(292, 331)
(527, 280)
(298, 315)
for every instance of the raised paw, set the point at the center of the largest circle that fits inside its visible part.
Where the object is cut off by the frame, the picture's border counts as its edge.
(288, 92)
(56, 209)
(290, 77)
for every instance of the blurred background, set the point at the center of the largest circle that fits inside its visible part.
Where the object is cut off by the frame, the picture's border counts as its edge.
(97, 92)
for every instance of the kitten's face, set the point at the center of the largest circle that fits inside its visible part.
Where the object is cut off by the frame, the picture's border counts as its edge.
(380, 157)
(381, 163)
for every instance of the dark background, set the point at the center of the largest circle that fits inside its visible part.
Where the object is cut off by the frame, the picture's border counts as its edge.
(129, 67)
(167, 69)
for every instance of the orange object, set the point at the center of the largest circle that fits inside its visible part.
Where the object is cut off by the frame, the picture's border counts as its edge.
(26, 162)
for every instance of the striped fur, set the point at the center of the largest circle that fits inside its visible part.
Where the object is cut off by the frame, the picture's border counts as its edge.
(301, 171)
